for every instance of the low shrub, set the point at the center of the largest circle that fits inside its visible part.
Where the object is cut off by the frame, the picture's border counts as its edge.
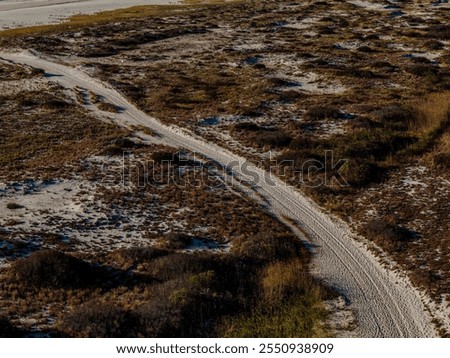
(7, 330)
(162, 155)
(276, 138)
(283, 82)
(357, 73)
(422, 70)
(55, 104)
(185, 307)
(108, 107)
(366, 49)
(14, 206)
(389, 235)
(283, 280)
(394, 116)
(51, 268)
(297, 317)
(245, 126)
(421, 59)
(442, 160)
(175, 241)
(446, 59)
(98, 320)
(159, 318)
(170, 267)
(384, 65)
(441, 32)
(266, 247)
(359, 172)
(364, 123)
(322, 112)
(373, 145)
(119, 146)
(132, 256)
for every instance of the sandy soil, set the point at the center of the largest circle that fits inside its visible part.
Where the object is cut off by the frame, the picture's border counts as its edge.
(385, 303)
(14, 13)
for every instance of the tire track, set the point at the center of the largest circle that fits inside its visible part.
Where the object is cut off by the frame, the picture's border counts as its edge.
(386, 304)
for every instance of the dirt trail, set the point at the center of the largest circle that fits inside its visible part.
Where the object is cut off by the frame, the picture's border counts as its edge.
(385, 303)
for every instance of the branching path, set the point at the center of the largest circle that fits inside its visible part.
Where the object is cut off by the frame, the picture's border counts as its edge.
(385, 303)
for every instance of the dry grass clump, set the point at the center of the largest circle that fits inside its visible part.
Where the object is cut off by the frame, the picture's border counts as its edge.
(298, 317)
(171, 267)
(365, 149)
(433, 112)
(357, 73)
(289, 304)
(431, 122)
(262, 137)
(441, 155)
(396, 117)
(108, 107)
(433, 45)
(322, 112)
(389, 235)
(284, 280)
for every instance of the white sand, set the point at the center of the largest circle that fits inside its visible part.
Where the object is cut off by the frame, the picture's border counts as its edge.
(15, 13)
(385, 303)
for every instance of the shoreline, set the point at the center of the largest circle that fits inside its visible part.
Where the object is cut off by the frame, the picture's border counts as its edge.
(14, 14)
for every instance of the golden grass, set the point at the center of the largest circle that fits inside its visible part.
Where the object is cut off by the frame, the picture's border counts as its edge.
(297, 317)
(282, 279)
(432, 112)
(430, 123)
(444, 144)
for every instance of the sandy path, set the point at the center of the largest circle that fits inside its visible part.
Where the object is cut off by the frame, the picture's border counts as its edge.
(386, 304)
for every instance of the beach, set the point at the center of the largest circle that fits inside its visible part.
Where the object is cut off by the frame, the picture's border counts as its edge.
(14, 13)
